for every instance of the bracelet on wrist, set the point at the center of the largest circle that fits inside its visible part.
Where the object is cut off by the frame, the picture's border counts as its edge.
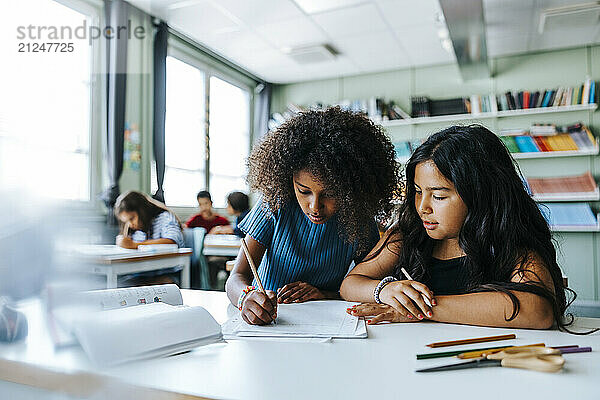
(380, 287)
(243, 296)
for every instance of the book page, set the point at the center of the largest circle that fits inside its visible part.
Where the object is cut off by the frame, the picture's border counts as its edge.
(327, 318)
(66, 308)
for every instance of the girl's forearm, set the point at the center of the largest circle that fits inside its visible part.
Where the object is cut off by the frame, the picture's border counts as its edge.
(492, 309)
(358, 288)
(234, 286)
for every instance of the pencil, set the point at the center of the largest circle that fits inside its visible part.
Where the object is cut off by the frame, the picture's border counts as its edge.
(425, 298)
(126, 229)
(473, 340)
(466, 353)
(253, 268)
(481, 353)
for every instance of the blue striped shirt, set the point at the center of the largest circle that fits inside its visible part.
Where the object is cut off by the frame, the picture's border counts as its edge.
(300, 250)
(164, 226)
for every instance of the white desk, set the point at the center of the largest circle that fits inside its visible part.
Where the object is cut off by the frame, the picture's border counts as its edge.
(221, 245)
(123, 263)
(380, 367)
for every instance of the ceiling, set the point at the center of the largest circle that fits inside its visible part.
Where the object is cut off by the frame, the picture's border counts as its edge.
(369, 35)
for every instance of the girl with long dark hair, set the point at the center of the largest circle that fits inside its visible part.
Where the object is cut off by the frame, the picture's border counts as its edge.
(148, 221)
(477, 246)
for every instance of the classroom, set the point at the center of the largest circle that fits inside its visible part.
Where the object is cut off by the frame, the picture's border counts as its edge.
(267, 199)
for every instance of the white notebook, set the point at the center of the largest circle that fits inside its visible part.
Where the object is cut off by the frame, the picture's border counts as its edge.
(313, 319)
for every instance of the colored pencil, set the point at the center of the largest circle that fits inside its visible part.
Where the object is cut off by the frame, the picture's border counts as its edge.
(473, 340)
(453, 352)
(465, 351)
(576, 350)
(481, 353)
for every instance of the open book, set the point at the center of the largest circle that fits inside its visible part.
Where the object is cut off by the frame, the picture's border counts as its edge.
(119, 325)
(313, 319)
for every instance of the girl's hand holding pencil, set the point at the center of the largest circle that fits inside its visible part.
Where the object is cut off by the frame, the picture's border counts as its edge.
(259, 308)
(409, 298)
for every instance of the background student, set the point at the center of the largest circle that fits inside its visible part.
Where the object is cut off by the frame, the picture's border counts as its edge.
(324, 176)
(147, 221)
(238, 205)
(206, 218)
(470, 235)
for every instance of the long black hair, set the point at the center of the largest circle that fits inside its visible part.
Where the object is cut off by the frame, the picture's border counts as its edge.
(145, 206)
(503, 229)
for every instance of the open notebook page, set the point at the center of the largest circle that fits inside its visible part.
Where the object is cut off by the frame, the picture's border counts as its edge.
(313, 319)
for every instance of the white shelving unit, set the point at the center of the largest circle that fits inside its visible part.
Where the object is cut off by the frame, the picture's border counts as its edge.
(499, 114)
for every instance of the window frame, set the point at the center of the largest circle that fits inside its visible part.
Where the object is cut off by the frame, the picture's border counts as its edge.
(187, 53)
(93, 9)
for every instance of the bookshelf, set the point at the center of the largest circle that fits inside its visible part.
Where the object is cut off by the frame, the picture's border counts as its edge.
(486, 115)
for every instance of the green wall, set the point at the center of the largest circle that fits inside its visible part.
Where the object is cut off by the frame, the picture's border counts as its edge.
(579, 253)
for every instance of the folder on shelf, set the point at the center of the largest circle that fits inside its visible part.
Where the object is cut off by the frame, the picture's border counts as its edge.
(565, 215)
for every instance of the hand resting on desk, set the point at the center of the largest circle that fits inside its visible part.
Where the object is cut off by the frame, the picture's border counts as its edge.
(379, 313)
(299, 292)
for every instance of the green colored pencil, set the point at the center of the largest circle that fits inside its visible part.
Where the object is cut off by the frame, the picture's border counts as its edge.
(454, 352)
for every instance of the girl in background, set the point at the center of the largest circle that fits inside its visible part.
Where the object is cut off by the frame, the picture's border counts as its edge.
(150, 221)
(477, 246)
(324, 176)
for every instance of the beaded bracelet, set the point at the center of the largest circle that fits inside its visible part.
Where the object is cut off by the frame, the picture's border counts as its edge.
(380, 287)
(245, 293)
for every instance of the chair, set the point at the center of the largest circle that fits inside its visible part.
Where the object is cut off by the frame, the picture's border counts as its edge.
(194, 238)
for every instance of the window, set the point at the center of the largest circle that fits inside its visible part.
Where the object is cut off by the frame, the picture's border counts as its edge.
(185, 144)
(45, 129)
(188, 156)
(229, 138)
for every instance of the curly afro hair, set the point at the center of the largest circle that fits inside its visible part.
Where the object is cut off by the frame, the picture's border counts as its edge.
(350, 155)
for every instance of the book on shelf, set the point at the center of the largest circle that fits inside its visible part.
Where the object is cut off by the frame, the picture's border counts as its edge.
(114, 326)
(526, 144)
(564, 186)
(567, 215)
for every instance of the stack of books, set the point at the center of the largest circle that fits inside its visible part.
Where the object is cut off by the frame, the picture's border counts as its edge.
(581, 187)
(575, 138)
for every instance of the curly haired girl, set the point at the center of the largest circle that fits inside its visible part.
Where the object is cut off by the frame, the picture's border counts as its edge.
(324, 176)
(470, 235)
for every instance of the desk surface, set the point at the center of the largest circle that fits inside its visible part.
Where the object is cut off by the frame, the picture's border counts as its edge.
(380, 367)
(110, 254)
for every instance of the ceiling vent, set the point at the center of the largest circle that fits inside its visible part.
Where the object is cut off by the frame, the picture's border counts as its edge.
(579, 15)
(312, 54)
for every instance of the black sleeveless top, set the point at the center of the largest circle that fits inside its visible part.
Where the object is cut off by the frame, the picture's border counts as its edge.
(445, 277)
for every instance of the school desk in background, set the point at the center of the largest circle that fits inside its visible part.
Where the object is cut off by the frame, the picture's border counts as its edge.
(113, 261)
(221, 245)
